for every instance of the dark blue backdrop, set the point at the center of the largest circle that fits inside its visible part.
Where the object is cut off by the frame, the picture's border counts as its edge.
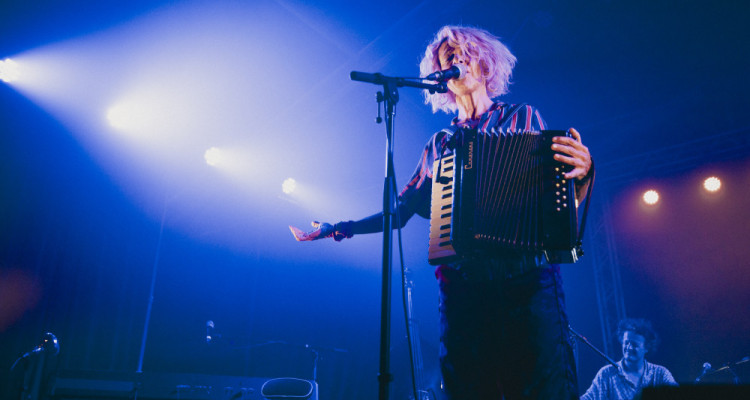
(659, 93)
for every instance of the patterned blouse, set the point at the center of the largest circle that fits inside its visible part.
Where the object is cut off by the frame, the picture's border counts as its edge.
(611, 383)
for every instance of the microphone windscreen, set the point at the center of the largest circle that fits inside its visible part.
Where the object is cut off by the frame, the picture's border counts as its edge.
(461, 70)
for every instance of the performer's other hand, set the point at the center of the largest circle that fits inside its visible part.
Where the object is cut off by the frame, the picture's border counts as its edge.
(338, 232)
(574, 153)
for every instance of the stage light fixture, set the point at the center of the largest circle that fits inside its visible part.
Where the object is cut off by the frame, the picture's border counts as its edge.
(651, 197)
(9, 71)
(213, 156)
(712, 184)
(118, 117)
(289, 185)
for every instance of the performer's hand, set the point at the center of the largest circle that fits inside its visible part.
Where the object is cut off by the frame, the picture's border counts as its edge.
(574, 154)
(338, 232)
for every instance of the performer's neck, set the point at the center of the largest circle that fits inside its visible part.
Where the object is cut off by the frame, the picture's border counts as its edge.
(473, 105)
(633, 366)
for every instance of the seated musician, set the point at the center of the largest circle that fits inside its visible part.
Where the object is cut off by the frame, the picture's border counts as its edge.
(504, 330)
(633, 372)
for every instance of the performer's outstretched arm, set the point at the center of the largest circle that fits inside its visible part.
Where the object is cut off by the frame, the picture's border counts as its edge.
(346, 229)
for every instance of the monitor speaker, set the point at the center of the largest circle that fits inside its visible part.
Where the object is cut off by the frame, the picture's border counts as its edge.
(697, 392)
(289, 389)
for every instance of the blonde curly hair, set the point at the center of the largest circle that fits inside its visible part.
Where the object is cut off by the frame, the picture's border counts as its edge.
(495, 60)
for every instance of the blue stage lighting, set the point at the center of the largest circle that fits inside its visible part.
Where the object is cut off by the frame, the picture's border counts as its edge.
(10, 71)
(213, 156)
(289, 185)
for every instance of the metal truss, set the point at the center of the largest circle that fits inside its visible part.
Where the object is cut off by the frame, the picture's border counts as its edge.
(606, 269)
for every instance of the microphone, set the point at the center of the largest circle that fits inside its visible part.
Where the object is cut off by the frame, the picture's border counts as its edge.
(706, 368)
(209, 328)
(49, 344)
(454, 72)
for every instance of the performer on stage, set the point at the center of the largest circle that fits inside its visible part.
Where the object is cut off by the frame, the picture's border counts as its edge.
(633, 372)
(504, 330)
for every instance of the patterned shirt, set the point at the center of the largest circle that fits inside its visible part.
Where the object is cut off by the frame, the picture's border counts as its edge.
(417, 193)
(611, 383)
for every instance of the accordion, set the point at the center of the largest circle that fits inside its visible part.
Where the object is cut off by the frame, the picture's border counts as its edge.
(502, 191)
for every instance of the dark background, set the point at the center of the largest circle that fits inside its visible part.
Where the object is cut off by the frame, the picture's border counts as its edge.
(659, 93)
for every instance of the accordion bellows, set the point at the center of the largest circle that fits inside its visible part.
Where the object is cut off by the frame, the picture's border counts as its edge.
(502, 191)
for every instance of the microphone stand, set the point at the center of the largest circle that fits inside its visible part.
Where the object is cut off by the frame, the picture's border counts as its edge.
(390, 99)
(728, 367)
(601, 353)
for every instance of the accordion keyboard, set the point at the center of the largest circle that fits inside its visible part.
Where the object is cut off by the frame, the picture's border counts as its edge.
(441, 247)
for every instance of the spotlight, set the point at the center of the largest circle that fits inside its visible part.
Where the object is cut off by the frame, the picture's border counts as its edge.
(213, 156)
(712, 184)
(9, 71)
(118, 117)
(288, 186)
(651, 197)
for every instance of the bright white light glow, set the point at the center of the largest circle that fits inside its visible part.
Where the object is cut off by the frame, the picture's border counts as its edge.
(118, 116)
(147, 99)
(157, 114)
(289, 185)
(213, 156)
(136, 116)
(9, 70)
(712, 184)
(651, 197)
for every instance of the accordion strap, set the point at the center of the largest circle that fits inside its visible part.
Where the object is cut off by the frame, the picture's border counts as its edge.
(588, 201)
